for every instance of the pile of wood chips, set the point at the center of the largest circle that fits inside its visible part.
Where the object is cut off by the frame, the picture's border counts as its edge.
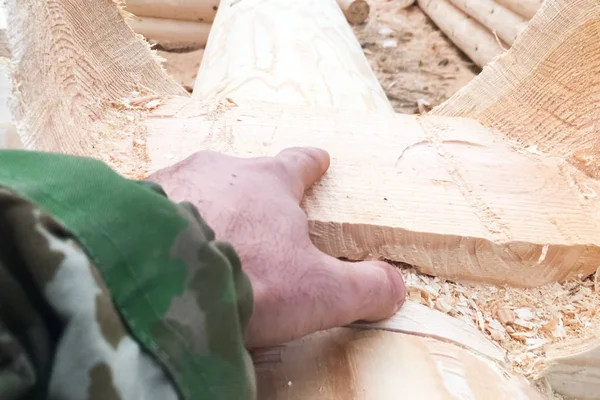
(525, 322)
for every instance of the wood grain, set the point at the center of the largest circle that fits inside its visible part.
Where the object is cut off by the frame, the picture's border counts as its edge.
(8, 132)
(474, 39)
(166, 30)
(525, 8)
(544, 91)
(287, 52)
(371, 364)
(447, 195)
(498, 19)
(82, 72)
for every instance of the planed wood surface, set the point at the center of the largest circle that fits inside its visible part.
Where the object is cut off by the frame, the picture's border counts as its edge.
(474, 39)
(189, 10)
(544, 91)
(356, 11)
(170, 30)
(372, 364)
(525, 8)
(287, 52)
(498, 19)
(573, 369)
(447, 195)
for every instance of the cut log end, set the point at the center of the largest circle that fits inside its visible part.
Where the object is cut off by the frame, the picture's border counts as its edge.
(357, 12)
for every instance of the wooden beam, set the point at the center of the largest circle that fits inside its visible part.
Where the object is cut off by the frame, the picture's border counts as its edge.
(446, 195)
(356, 11)
(525, 8)
(498, 19)
(189, 10)
(287, 52)
(170, 30)
(474, 39)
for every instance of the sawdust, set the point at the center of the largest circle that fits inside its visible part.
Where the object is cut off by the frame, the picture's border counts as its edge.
(525, 322)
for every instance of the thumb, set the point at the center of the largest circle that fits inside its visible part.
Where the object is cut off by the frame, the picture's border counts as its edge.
(305, 166)
(368, 291)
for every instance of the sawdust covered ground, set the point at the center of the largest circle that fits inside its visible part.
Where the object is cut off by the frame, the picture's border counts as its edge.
(415, 63)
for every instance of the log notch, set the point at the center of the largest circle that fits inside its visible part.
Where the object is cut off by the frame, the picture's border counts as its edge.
(501, 21)
(187, 10)
(168, 31)
(306, 54)
(474, 39)
(525, 8)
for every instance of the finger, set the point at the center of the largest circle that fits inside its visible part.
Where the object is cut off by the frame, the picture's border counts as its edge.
(305, 166)
(368, 291)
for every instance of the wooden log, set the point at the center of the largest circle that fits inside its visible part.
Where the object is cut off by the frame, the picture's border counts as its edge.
(501, 21)
(446, 195)
(189, 10)
(171, 31)
(543, 91)
(287, 52)
(475, 40)
(118, 123)
(8, 132)
(573, 369)
(525, 8)
(356, 11)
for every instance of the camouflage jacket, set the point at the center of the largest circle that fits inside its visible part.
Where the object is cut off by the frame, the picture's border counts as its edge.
(110, 291)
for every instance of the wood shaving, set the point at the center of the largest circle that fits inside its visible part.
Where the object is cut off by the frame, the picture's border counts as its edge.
(525, 322)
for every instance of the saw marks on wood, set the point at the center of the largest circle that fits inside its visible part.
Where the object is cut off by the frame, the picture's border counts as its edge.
(287, 52)
(444, 194)
(544, 91)
(73, 61)
(355, 364)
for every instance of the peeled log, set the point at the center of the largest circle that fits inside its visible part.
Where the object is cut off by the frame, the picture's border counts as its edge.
(189, 10)
(525, 8)
(356, 11)
(170, 30)
(287, 52)
(501, 21)
(474, 39)
(9, 138)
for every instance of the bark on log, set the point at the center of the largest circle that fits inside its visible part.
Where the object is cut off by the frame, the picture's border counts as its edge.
(501, 21)
(189, 10)
(525, 8)
(356, 11)
(170, 30)
(287, 52)
(474, 39)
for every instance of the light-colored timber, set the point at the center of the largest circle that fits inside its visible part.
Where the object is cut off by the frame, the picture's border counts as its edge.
(474, 39)
(356, 11)
(525, 8)
(287, 52)
(167, 31)
(188, 10)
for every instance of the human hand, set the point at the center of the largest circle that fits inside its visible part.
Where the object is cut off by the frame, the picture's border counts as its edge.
(254, 204)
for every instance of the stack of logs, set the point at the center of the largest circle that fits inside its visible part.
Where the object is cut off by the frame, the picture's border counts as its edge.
(483, 29)
(188, 22)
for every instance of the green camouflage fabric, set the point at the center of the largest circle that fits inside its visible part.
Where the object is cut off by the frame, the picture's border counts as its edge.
(108, 290)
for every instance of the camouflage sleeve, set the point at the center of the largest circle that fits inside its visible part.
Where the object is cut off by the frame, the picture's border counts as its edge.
(110, 291)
